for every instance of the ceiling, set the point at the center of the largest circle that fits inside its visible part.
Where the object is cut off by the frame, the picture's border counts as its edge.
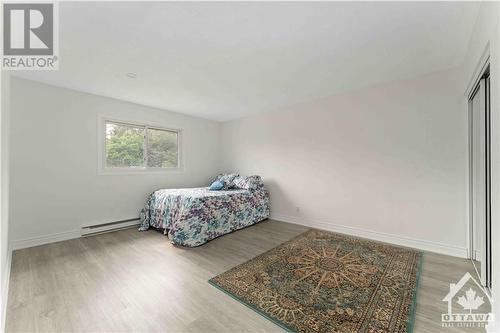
(226, 60)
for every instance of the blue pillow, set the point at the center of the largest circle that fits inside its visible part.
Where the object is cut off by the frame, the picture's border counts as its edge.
(216, 186)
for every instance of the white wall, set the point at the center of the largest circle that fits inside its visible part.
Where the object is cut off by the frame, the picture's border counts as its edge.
(5, 252)
(55, 188)
(486, 37)
(389, 159)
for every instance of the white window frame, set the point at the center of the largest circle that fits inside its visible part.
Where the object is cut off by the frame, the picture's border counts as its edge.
(103, 169)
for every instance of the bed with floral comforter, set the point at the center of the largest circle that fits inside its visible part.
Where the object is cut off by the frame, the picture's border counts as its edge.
(193, 216)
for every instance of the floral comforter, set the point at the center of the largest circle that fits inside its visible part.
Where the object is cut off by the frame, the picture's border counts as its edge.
(193, 216)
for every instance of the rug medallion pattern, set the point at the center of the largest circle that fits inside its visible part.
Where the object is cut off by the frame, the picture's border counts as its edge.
(326, 282)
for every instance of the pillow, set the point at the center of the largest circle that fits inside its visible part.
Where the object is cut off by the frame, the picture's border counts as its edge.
(251, 183)
(227, 179)
(216, 186)
(216, 178)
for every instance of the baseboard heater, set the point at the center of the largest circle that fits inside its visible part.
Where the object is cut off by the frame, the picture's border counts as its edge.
(92, 230)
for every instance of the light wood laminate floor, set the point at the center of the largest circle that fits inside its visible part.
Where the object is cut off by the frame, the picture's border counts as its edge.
(129, 281)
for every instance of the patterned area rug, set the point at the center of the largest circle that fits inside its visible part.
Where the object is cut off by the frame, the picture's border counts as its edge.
(326, 282)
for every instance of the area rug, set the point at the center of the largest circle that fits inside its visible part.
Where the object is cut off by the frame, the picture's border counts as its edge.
(326, 282)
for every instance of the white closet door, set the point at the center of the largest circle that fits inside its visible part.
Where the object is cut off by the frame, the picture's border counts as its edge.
(478, 115)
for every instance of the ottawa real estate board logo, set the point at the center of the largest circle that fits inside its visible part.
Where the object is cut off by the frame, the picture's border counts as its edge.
(30, 36)
(469, 304)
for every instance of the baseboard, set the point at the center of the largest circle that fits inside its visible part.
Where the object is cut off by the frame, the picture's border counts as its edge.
(46, 239)
(71, 234)
(5, 290)
(420, 244)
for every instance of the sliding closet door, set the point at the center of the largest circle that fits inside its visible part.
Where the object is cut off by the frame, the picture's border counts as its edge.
(479, 176)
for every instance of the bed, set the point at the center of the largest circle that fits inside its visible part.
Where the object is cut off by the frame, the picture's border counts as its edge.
(193, 216)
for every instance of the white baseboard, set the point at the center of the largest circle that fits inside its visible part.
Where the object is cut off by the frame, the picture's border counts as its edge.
(46, 239)
(451, 250)
(71, 234)
(5, 291)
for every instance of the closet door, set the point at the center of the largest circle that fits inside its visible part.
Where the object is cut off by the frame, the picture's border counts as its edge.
(479, 193)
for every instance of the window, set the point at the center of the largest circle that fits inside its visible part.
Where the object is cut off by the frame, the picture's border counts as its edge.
(140, 147)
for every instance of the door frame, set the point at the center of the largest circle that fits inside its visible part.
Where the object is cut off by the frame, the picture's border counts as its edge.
(486, 274)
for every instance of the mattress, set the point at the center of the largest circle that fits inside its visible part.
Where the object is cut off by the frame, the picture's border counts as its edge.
(193, 216)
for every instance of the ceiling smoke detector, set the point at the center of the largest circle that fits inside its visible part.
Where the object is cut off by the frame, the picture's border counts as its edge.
(131, 75)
